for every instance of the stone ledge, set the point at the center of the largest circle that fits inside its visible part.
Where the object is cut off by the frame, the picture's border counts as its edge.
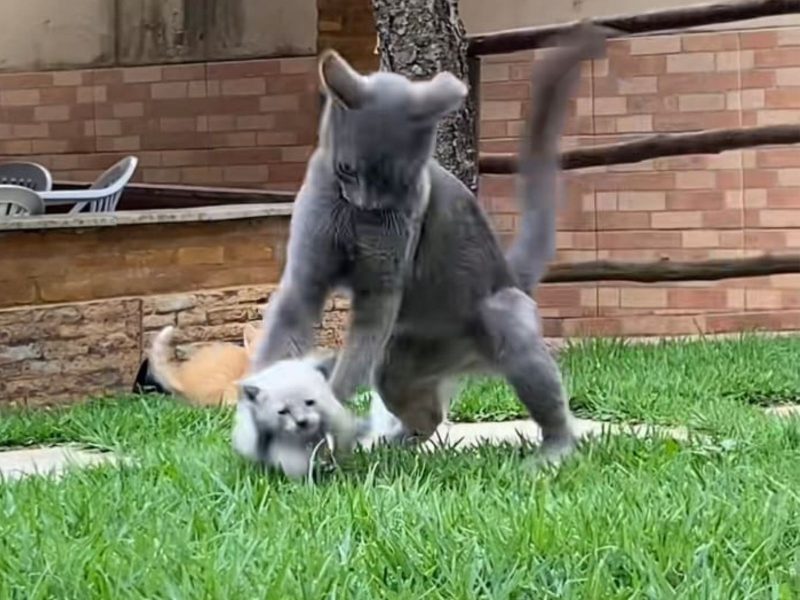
(227, 212)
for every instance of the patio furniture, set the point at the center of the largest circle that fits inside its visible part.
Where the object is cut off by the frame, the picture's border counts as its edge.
(26, 174)
(102, 196)
(18, 201)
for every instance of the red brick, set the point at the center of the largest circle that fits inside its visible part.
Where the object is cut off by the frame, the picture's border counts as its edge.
(52, 113)
(243, 69)
(243, 87)
(280, 103)
(291, 84)
(229, 140)
(698, 82)
(710, 42)
(505, 91)
(141, 74)
(189, 72)
(19, 81)
(696, 121)
(609, 221)
(638, 239)
(243, 156)
(246, 174)
(758, 39)
(171, 89)
(29, 97)
(277, 138)
(257, 122)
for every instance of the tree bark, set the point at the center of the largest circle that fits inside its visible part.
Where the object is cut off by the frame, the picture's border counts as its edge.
(418, 39)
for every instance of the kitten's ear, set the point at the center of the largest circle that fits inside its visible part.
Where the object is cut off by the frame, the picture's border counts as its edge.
(341, 81)
(324, 363)
(249, 335)
(438, 97)
(250, 392)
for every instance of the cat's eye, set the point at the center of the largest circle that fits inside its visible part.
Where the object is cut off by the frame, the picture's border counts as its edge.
(310, 402)
(345, 171)
(283, 411)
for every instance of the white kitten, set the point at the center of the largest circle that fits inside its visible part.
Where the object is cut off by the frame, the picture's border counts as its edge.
(285, 410)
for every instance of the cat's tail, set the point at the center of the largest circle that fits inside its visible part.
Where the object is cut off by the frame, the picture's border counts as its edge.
(162, 362)
(555, 78)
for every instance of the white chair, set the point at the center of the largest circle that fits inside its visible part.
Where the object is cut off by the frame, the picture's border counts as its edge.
(102, 196)
(18, 201)
(26, 174)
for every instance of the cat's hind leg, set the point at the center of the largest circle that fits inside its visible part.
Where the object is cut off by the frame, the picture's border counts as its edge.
(517, 350)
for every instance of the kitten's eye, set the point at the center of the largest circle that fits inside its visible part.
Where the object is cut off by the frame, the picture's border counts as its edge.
(283, 411)
(310, 402)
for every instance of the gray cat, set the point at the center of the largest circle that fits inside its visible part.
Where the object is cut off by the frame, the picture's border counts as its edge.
(433, 296)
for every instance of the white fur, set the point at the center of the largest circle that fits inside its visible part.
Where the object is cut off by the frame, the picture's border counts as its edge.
(276, 401)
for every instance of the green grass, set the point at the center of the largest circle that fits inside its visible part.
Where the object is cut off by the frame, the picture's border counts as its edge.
(715, 517)
(666, 382)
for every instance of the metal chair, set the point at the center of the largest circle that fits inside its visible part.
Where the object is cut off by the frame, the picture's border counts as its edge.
(18, 201)
(26, 174)
(102, 196)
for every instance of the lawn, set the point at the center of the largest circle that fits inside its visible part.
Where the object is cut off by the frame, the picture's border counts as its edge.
(715, 517)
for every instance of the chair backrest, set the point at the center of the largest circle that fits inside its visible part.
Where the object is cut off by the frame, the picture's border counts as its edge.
(26, 174)
(112, 182)
(18, 201)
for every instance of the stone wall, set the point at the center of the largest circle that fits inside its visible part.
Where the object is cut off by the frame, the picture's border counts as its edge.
(60, 354)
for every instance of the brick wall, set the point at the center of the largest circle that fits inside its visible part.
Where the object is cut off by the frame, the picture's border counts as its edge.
(684, 208)
(253, 123)
(249, 123)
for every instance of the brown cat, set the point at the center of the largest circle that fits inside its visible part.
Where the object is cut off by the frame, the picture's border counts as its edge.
(210, 376)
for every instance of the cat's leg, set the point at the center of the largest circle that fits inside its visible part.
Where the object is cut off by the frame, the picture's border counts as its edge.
(514, 344)
(415, 382)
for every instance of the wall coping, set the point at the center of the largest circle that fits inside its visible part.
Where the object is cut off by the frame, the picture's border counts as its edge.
(227, 212)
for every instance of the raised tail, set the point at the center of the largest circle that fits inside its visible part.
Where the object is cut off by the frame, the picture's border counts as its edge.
(555, 79)
(162, 363)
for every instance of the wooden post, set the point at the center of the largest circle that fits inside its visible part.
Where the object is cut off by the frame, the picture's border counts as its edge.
(420, 38)
(712, 141)
(503, 42)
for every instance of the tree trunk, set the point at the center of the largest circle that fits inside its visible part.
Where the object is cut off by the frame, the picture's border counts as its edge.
(420, 38)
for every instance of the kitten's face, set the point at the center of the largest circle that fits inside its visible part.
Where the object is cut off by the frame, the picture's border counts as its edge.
(288, 399)
(381, 129)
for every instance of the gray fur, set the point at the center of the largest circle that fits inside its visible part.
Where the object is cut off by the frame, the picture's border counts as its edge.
(433, 295)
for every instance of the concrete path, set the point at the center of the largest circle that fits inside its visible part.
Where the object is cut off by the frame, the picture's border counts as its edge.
(51, 461)
(514, 432)
(789, 410)
(55, 460)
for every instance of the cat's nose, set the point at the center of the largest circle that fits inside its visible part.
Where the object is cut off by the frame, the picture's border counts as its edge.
(302, 423)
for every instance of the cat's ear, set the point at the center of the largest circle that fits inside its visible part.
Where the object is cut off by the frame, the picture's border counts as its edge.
(438, 97)
(323, 362)
(249, 336)
(250, 392)
(340, 80)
